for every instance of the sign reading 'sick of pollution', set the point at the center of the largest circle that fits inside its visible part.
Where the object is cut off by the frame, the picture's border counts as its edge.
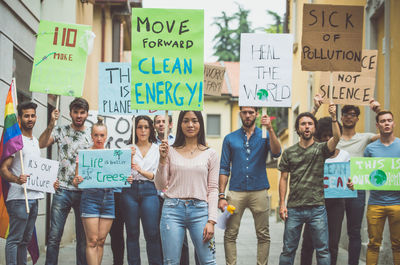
(353, 88)
(105, 168)
(265, 70)
(115, 91)
(336, 176)
(332, 38)
(167, 59)
(59, 65)
(375, 173)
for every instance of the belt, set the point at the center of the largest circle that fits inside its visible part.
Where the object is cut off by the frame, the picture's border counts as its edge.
(140, 181)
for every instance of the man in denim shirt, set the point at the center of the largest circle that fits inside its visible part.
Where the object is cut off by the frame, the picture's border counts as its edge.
(246, 151)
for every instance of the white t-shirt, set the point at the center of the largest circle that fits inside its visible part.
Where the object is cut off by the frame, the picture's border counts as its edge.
(16, 191)
(148, 163)
(343, 156)
(356, 145)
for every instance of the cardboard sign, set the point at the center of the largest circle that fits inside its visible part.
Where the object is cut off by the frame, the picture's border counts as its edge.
(115, 91)
(59, 65)
(336, 176)
(332, 38)
(43, 173)
(353, 88)
(265, 70)
(119, 127)
(375, 173)
(214, 76)
(167, 59)
(104, 168)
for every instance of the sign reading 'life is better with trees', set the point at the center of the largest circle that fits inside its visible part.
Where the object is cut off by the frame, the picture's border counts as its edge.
(375, 173)
(59, 65)
(265, 70)
(105, 168)
(167, 59)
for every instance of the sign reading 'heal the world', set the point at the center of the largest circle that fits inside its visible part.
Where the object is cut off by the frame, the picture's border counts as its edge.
(265, 70)
(167, 59)
(332, 38)
(59, 65)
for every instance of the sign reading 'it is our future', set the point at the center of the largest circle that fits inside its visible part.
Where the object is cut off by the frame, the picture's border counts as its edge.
(375, 173)
(265, 70)
(59, 65)
(167, 59)
(332, 38)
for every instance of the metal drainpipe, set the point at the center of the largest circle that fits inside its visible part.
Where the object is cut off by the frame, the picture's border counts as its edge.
(103, 31)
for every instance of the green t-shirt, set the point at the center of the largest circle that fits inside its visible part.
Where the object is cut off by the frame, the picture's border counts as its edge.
(306, 168)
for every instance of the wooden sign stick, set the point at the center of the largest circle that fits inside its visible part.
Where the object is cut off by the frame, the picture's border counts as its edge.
(166, 125)
(20, 153)
(264, 128)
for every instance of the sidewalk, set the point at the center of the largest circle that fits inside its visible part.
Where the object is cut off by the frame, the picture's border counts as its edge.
(246, 246)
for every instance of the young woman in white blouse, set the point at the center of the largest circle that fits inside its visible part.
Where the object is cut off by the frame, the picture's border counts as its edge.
(140, 201)
(189, 170)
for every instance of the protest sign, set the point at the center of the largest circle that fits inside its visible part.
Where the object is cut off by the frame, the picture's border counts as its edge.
(353, 88)
(332, 38)
(265, 70)
(115, 91)
(59, 65)
(375, 173)
(167, 59)
(104, 168)
(43, 173)
(213, 79)
(336, 176)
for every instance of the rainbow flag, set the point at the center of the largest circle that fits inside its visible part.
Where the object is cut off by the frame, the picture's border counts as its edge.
(11, 139)
(11, 142)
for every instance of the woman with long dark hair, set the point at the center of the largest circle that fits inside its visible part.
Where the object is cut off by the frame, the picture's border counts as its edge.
(190, 171)
(140, 201)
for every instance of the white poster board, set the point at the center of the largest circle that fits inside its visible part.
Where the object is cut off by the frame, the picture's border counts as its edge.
(265, 70)
(43, 173)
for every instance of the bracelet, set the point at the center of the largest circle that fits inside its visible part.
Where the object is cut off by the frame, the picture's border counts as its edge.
(221, 193)
(334, 120)
(221, 198)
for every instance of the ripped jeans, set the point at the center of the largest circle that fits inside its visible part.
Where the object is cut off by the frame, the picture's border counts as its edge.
(177, 216)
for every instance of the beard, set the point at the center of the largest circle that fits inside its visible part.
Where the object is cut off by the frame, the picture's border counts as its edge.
(248, 123)
(26, 126)
(351, 126)
(302, 135)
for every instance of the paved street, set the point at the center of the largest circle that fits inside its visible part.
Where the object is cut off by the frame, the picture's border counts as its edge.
(246, 247)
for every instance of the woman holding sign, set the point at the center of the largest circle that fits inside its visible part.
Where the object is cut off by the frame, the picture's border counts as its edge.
(97, 205)
(190, 170)
(140, 201)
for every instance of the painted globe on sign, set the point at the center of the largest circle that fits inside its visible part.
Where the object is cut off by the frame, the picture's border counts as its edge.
(378, 178)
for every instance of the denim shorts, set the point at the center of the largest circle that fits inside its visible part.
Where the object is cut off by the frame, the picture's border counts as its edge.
(98, 203)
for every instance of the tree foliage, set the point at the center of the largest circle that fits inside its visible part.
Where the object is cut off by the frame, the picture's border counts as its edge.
(227, 47)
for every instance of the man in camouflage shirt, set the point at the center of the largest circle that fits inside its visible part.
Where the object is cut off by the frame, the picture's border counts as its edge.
(305, 163)
(69, 138)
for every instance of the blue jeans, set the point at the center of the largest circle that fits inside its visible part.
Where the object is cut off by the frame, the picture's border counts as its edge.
(20, 230)
(177, 216)
(140, 201)
(354, 216)
(63, 201)
(316, 218)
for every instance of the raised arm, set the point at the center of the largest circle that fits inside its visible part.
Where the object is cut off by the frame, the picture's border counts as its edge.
(317, 103)
(161, 177)
(283, 182)
(334, 140)
(273, 140)
(45, 139)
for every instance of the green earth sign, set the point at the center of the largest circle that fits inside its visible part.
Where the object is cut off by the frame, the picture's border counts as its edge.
(378, 178)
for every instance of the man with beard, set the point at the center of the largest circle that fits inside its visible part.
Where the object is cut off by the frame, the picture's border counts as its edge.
(161, 128)
(382, 204)
(247, 151)
(354, 143)
(21, 222)
(70, 138)
(305, 163)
